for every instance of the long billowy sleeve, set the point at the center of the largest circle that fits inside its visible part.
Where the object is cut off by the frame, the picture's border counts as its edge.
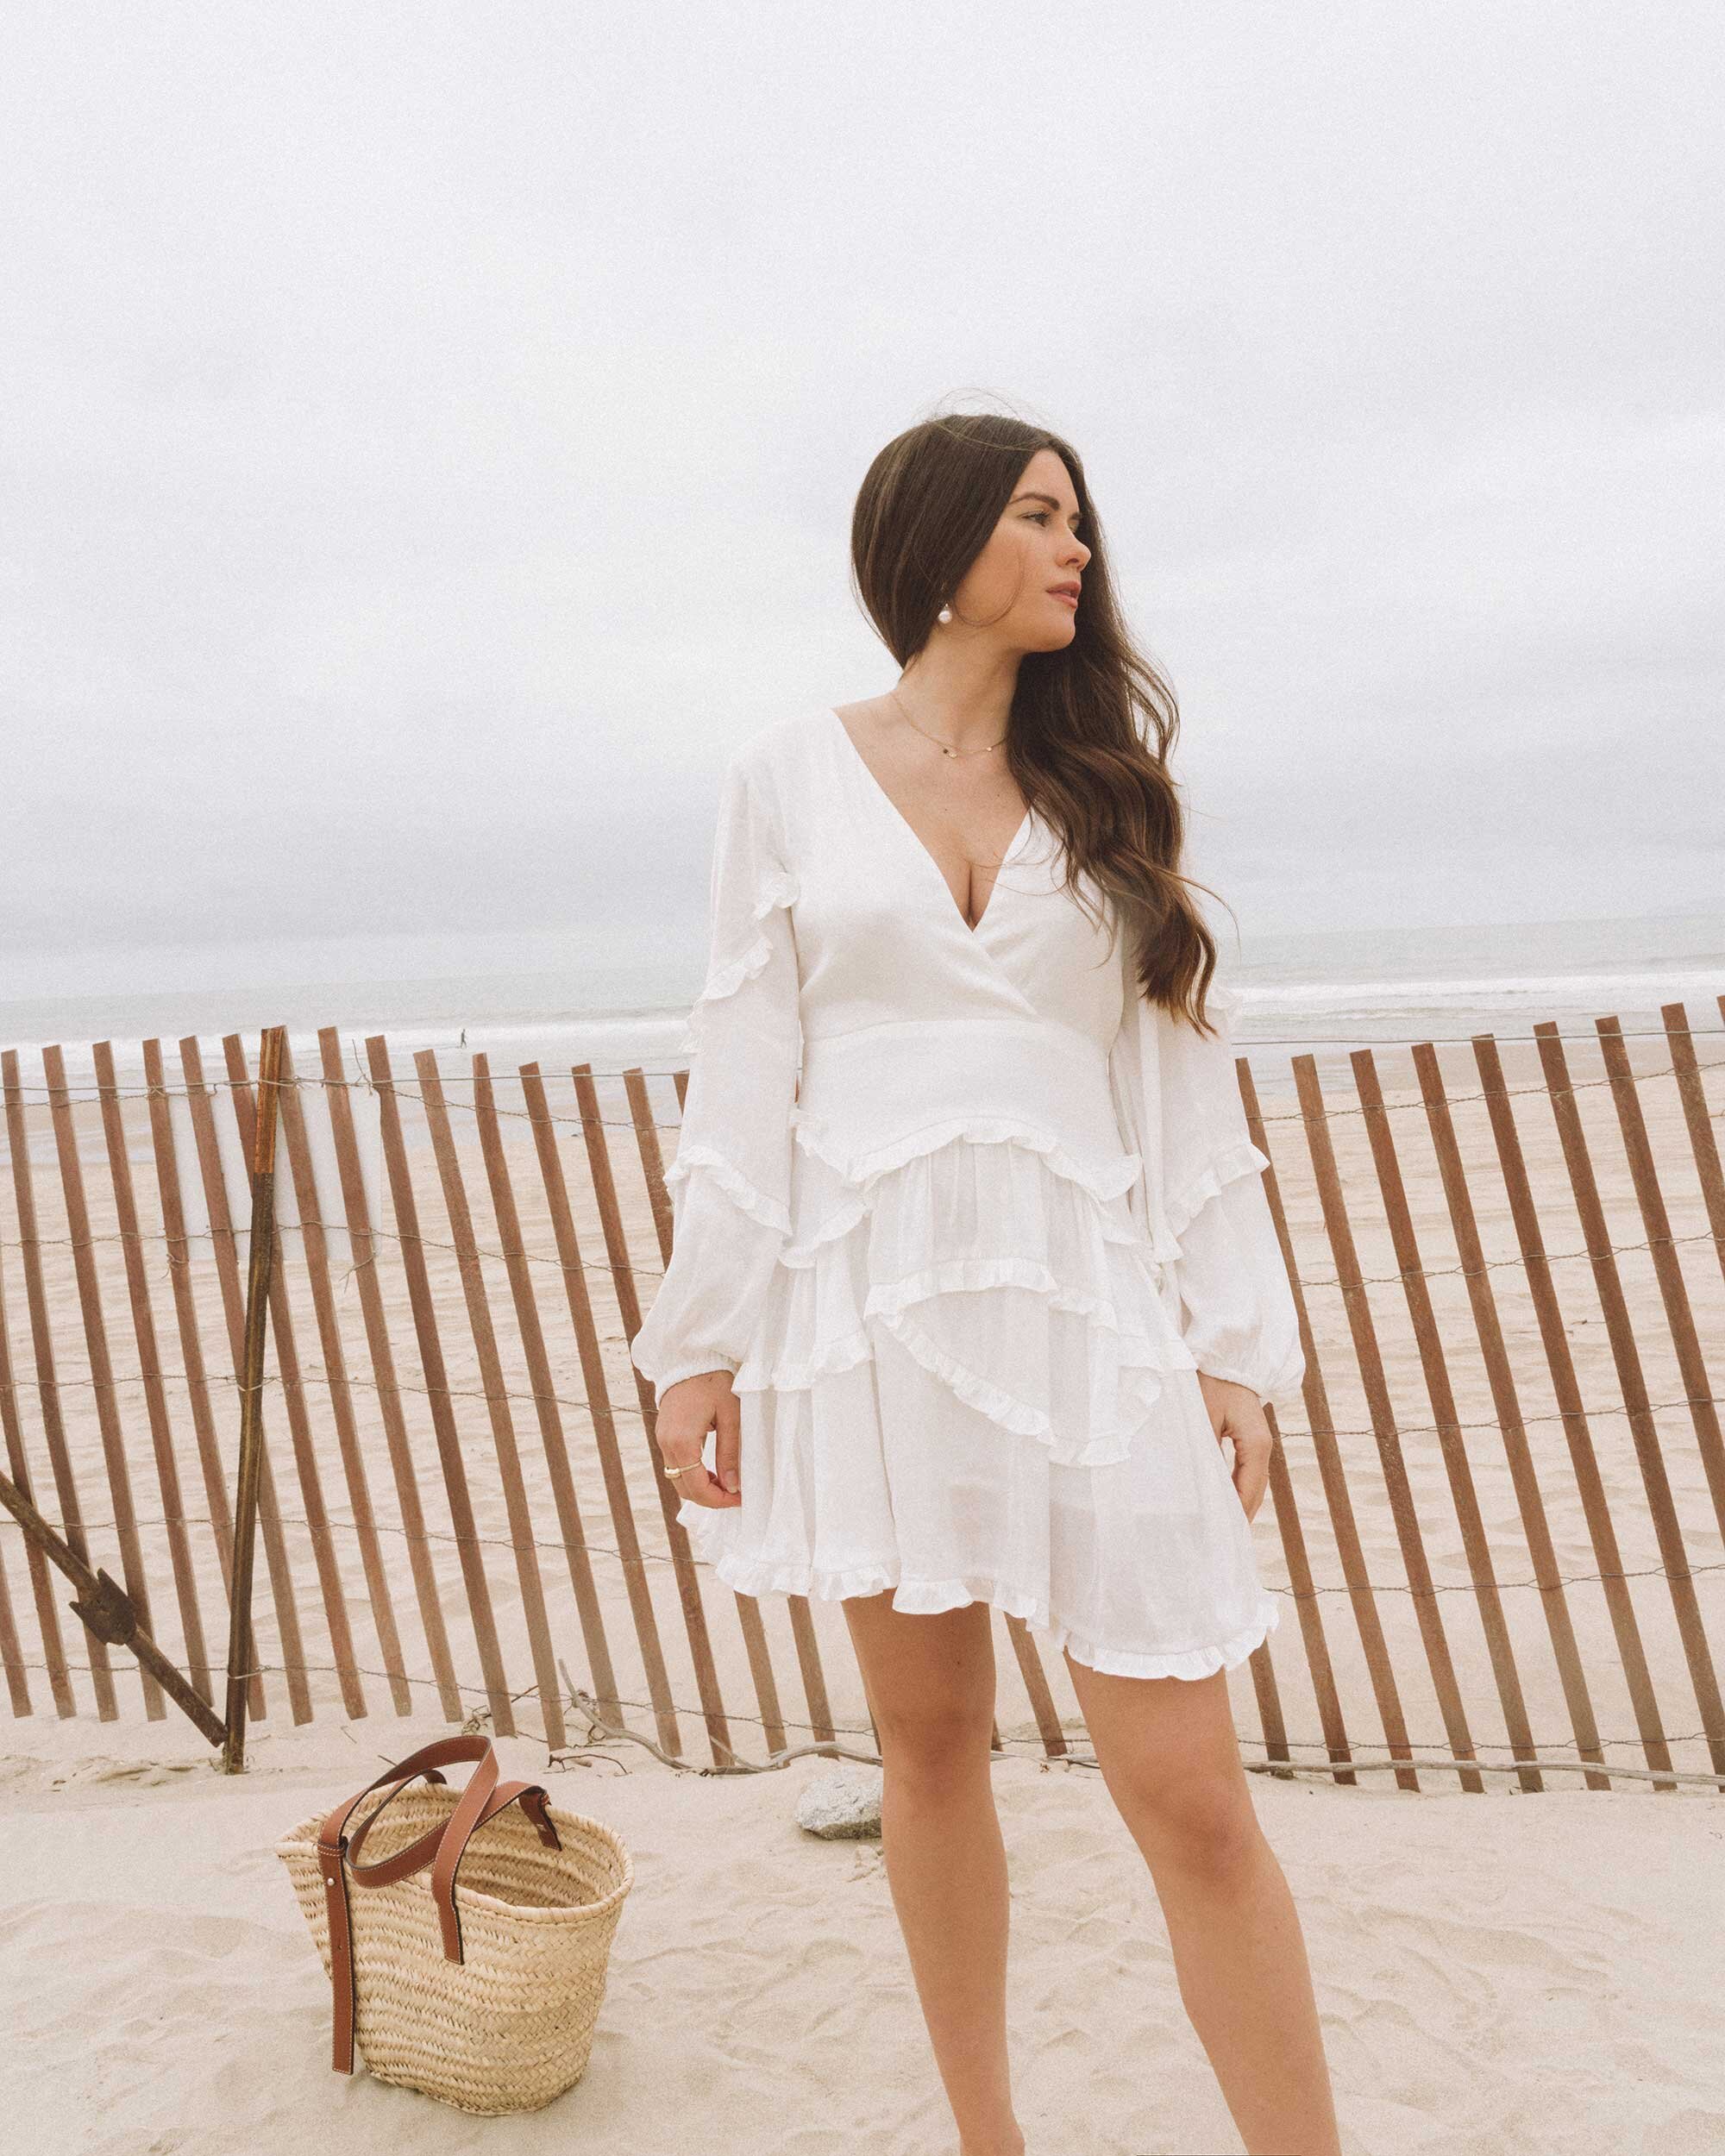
(1208, 1213)
(730, 1181)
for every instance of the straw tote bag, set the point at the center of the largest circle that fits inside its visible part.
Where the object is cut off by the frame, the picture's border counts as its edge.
(485, 1998)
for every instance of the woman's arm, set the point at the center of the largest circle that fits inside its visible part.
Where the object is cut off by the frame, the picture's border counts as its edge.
(1201, 1201)
(730, 1181)
(1238, 1312)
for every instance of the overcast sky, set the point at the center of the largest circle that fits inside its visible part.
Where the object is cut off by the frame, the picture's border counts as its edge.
(430, 434)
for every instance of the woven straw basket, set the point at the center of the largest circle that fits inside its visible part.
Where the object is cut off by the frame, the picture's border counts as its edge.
(467, 1954)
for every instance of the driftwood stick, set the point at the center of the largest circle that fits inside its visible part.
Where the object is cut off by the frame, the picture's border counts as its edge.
(108, 1611)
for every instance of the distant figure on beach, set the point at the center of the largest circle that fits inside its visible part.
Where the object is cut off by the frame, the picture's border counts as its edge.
(974, 1277)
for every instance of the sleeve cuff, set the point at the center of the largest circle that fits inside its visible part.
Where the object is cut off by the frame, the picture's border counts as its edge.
(709, 1365)
(1284, 1392)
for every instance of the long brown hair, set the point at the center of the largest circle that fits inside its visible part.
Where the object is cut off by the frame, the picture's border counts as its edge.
(1091, 726)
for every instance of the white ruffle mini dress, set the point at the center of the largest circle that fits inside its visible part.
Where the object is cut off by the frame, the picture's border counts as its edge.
(963, 1215)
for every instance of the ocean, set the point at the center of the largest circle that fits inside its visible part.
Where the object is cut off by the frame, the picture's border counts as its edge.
(1325, 992)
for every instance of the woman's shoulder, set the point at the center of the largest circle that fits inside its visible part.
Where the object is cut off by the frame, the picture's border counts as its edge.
(779, 754)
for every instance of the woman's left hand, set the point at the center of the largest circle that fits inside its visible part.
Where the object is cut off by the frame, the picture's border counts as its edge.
(1237, 1412)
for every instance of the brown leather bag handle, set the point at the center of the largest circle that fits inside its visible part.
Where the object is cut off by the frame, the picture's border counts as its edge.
(483, 1798)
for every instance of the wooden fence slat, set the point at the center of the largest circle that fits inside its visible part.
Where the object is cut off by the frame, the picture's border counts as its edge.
(1626, 1355)
(1290, 1530)
(597, 1388)
(532, 1334)
(474, 1292)
(1566, 1390)
(314, 1250)
(1506, 1407)
(150, 1372)
(1697, 1117)
(821, 1729)
(1667, 1268)
(1260, 1662)
(357, 1211)
(12, 1648)
(48, 1383)
(166, 1154)
(307, 1470)
(49, 1387)
(101, 1368)
(1362, 1333)
(35, 1564)
(1035, 1680)
(1458, 1468)
(1314, 1116)
(629, 1306)
(406, 1210)
(226, 1250)
(748, 1607)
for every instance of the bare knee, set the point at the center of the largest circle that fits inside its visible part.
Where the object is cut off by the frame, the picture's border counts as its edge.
(1202, 1826)
(933, 1742)
(931, 1686)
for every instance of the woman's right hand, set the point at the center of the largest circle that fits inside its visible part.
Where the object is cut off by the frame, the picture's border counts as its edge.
(690, 1408)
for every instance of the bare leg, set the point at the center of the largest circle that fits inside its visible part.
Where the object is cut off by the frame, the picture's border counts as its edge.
(1168, 1756)
(930, 1686)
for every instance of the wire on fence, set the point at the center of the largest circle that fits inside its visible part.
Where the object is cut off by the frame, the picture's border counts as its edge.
(601, 1549)
(1514, 1263)
(1597, 1412)
(1260, 1759)
(366, 1084)
(330, 1228)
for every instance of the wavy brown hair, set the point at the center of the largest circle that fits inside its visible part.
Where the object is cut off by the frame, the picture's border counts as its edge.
(1091, 726)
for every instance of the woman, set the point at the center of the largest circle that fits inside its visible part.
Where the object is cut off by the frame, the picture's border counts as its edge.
(973, 1270)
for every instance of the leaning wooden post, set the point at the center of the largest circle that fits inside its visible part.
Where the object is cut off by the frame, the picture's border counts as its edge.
(108, 1611)
(270, 1053)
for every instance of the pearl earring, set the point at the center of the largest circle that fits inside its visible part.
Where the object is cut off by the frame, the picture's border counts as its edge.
(945, 614)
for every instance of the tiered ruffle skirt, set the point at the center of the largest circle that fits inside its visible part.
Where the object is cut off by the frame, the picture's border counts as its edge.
(968, 1382)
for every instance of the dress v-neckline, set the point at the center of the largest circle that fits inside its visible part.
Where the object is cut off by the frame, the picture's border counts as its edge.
(972, 927)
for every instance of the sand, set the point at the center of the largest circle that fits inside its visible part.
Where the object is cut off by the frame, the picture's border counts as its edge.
(1494, 1973)
(1498, 1972)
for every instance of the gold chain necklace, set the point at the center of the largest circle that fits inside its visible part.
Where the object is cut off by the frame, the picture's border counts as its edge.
(987, 749)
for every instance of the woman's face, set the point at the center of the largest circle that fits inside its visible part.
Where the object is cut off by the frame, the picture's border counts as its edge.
(1014, 589)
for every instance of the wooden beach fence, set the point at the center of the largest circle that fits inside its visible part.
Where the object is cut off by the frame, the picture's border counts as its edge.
(1497, 1532)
